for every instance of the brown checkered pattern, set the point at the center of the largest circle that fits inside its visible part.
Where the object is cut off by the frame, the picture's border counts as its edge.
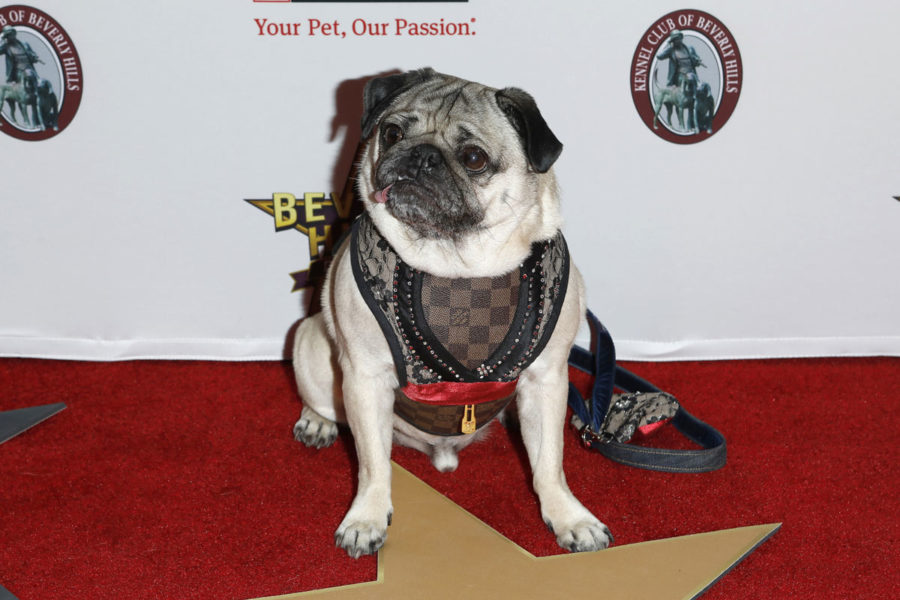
(470, 317)
(445, 420)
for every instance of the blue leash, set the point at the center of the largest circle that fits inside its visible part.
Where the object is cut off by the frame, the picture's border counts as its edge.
(600, 362)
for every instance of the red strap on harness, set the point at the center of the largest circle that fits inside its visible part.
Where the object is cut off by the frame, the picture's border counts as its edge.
(453, 393)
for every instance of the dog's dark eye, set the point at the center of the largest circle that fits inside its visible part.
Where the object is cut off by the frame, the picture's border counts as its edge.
(391, 134)
(474, 159)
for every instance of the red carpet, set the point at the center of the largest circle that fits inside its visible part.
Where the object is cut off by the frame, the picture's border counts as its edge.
(182, 480)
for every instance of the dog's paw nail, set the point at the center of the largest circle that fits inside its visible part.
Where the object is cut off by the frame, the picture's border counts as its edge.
(609, 536)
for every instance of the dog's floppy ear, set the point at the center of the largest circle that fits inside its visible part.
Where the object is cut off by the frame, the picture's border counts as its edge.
(379, 93)
(541, 147)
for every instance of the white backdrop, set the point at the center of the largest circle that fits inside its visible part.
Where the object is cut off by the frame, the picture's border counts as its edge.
(127, 234)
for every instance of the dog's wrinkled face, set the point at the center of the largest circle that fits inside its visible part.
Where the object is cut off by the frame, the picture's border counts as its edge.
(431, 181)
(445, 150)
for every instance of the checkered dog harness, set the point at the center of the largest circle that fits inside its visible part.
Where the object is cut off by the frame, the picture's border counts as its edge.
(458, 345)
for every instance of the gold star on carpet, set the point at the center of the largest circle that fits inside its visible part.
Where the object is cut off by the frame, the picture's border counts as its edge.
(422, 560)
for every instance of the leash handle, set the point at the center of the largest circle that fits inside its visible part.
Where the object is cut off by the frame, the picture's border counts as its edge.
(600, 362)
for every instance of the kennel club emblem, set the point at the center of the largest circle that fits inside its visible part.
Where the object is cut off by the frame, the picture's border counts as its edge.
(42, 83)
(686, 76)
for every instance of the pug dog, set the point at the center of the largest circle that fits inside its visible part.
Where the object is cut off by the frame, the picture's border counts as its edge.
(457, 186)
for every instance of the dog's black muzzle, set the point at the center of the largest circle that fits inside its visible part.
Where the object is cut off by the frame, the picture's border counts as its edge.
(424, 194)
(422, 160)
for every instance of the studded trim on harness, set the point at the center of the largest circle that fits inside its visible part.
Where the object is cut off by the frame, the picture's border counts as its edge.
(458, 345)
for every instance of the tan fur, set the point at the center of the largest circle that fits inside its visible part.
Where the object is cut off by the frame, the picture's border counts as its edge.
(344, 366)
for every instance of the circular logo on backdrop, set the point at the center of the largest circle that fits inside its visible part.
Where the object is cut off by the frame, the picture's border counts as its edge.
(41, 86)
(686, 76)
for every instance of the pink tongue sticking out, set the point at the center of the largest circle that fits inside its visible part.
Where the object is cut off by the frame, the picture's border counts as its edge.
(382, 196)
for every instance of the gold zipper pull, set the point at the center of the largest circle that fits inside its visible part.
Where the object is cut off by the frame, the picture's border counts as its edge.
(468, 422)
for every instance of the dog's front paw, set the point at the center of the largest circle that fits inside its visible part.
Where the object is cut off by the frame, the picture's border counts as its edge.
(586, 535)
(315, 430)
(361, 537)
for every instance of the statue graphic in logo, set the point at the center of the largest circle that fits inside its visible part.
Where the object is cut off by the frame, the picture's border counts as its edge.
(28, 99)
(684, 94)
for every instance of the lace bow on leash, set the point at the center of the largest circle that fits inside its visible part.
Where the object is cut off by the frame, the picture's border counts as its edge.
(608, 420)
(631, 413)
